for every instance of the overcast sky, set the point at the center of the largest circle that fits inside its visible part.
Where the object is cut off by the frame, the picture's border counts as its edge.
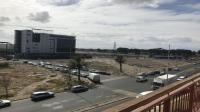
(100, 23)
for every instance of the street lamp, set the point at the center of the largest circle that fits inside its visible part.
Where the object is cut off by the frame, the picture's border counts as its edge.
(168, 65)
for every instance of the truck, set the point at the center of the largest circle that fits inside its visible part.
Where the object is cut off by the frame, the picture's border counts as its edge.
(94, 77)
(162, 80)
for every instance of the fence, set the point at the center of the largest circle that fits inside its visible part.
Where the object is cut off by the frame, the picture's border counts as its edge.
(183, 96)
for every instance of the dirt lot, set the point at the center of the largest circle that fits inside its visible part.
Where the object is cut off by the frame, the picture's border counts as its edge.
(132, 66)
(27, 78)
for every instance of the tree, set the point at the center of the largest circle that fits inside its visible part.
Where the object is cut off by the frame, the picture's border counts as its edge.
(198, 51)
(77, 62)
(123, 50)
(120, 59)
(5, 83)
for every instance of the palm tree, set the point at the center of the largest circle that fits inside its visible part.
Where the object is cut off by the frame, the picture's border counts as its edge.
(120, 59)
(76, 63)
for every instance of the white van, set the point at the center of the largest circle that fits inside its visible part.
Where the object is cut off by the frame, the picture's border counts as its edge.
(94, 77)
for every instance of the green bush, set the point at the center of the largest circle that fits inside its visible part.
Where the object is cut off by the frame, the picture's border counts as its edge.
(4, 64)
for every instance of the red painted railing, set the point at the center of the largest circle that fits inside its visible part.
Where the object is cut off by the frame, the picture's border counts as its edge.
(183, 96)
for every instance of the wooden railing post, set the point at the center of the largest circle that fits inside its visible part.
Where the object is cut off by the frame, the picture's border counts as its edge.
(191, 101)
(166, 105)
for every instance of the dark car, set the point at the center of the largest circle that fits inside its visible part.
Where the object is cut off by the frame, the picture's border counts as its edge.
(141, 79)
(154, 73)
(100, 72)
(42, 95)
(79, 88)
(4, 103)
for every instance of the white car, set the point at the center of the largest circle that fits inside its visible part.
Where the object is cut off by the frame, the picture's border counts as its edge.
(5, 103)
(181, 78)
(143, 93)
(176, 69)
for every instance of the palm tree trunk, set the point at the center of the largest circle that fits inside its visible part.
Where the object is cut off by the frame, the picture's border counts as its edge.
(79, 74)
(120, 67)
(6, 89)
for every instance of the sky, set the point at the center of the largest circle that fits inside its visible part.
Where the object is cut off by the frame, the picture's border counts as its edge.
(99, 23)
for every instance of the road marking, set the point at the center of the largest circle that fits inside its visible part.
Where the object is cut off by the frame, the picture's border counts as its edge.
(112, 79)
(50, 104)
(58, 107)
(64, 101)
(127, 93)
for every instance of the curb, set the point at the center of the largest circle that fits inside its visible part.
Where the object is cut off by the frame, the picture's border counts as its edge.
(91, 107)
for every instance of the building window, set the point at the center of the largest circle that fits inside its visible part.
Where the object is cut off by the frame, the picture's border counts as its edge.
(36, 37)
(65, 45)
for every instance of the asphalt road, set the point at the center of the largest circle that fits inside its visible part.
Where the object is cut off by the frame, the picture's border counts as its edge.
(63, 102)
(112, 87)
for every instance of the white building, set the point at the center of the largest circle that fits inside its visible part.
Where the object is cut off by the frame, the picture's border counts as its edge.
(29, 43)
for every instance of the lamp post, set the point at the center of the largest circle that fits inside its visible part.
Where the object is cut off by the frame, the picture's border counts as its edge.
(168, 65)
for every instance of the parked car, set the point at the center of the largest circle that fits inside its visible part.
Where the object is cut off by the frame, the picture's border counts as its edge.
(25, 61)
(41, 95)
(194, 63)
(141, 79)
(176, 69)
(142, 74)
(162, 73)
(74, 72)
(143, 93)
(79, 88)
(100, 72)
(84, 74)
(181, 78)
(154, 73)
(170, 69)
(5, 103)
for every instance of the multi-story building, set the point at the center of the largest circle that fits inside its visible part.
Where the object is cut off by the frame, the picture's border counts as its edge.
(43, 45)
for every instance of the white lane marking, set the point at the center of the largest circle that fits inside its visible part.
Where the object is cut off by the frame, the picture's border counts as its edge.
(58, 107)
(50, 104)
(127, 93)
(56, 103)
(112, 79)
(68, 100)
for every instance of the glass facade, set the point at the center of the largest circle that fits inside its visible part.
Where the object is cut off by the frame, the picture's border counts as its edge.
(65, 45)
(36, 37)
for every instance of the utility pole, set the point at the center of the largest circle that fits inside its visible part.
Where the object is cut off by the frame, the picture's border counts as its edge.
(168, 65)
(114, 48)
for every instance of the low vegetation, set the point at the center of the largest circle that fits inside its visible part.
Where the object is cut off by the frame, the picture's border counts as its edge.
(4, 65)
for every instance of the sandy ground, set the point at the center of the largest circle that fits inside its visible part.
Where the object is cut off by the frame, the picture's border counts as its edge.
(27, 78)
(133, 66)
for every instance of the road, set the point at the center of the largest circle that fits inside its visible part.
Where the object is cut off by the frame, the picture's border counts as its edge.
(112, 87)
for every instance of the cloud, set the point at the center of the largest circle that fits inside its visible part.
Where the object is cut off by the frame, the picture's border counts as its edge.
(180, 40)
(42, 17)
(183, 40)
(98, 3)
(4, 19)
(143, 3)
(1, 24)
(59, 2)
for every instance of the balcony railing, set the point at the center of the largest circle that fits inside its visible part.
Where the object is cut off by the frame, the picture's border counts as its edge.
(182, 96)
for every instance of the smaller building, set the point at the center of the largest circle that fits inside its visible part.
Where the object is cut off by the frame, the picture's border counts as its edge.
(30, 44)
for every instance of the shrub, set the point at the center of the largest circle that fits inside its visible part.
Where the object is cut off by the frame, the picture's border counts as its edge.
(4, 64)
